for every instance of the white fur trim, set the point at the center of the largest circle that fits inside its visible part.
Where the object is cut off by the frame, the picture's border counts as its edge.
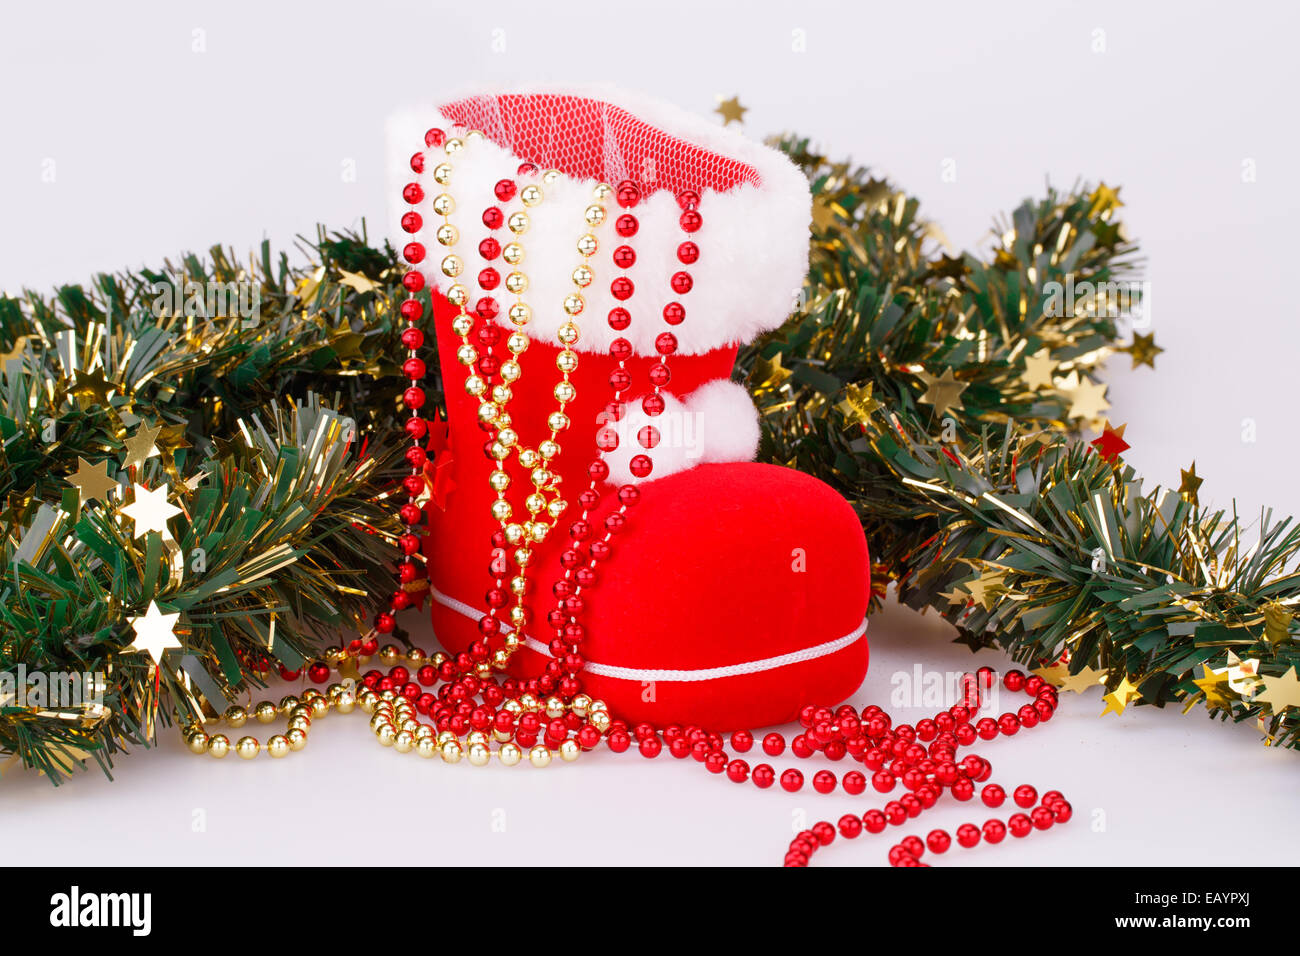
(753, 244)
(656, 674)
(716, 423)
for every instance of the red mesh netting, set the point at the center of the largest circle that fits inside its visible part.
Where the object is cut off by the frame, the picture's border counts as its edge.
(591, 139)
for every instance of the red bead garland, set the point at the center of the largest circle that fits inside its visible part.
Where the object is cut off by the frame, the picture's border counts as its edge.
(413, 398)
(928, 771)
(488, 366)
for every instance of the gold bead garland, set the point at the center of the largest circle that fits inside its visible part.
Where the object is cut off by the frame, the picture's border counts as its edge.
(395, 722)
(574, 304)
(537, 461)
(300, 711)
(495, 409)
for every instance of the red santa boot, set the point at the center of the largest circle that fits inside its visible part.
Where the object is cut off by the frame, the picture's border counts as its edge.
(597, 261)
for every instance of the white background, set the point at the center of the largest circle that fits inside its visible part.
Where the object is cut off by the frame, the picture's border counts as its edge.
(179, 125)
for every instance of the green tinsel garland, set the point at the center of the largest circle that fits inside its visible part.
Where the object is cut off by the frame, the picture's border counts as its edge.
(945, 397)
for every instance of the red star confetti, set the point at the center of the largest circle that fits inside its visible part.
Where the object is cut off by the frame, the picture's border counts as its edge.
(437, 469)
(1111, 444)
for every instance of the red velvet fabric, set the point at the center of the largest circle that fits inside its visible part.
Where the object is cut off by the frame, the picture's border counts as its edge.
(718, 565)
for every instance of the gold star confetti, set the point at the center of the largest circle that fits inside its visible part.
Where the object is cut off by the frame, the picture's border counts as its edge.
(1006, 260)
(972, 641)
(224, 449)
(347, 345)
(1103, 200)
(1038, 370)
(858, 405)
(1190, 486)
(950, 267)
(768, 373)
(141, 446)
(1281, 692)
(1114, 704)
(92, 481)
(92, 387)
(426, 493)
(19, 347)
(986, 589)
(803, 156)
(308, 285)
(1214, 684)
(730, 110)
(1109, 234)
(877, 192)
(154, 633)
(1120, 697)
(956, 595)
(1143, 350)
(943, 392)
(1054, 675)
(826, 213)
(1243, 676)
(1087, 398)
(1277, 623)
(355, 280)
(151, 510)
(1087, 677)
(172, 437)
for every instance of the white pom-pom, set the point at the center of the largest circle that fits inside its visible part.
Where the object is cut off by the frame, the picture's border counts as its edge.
(728, 420)
(716, 423)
